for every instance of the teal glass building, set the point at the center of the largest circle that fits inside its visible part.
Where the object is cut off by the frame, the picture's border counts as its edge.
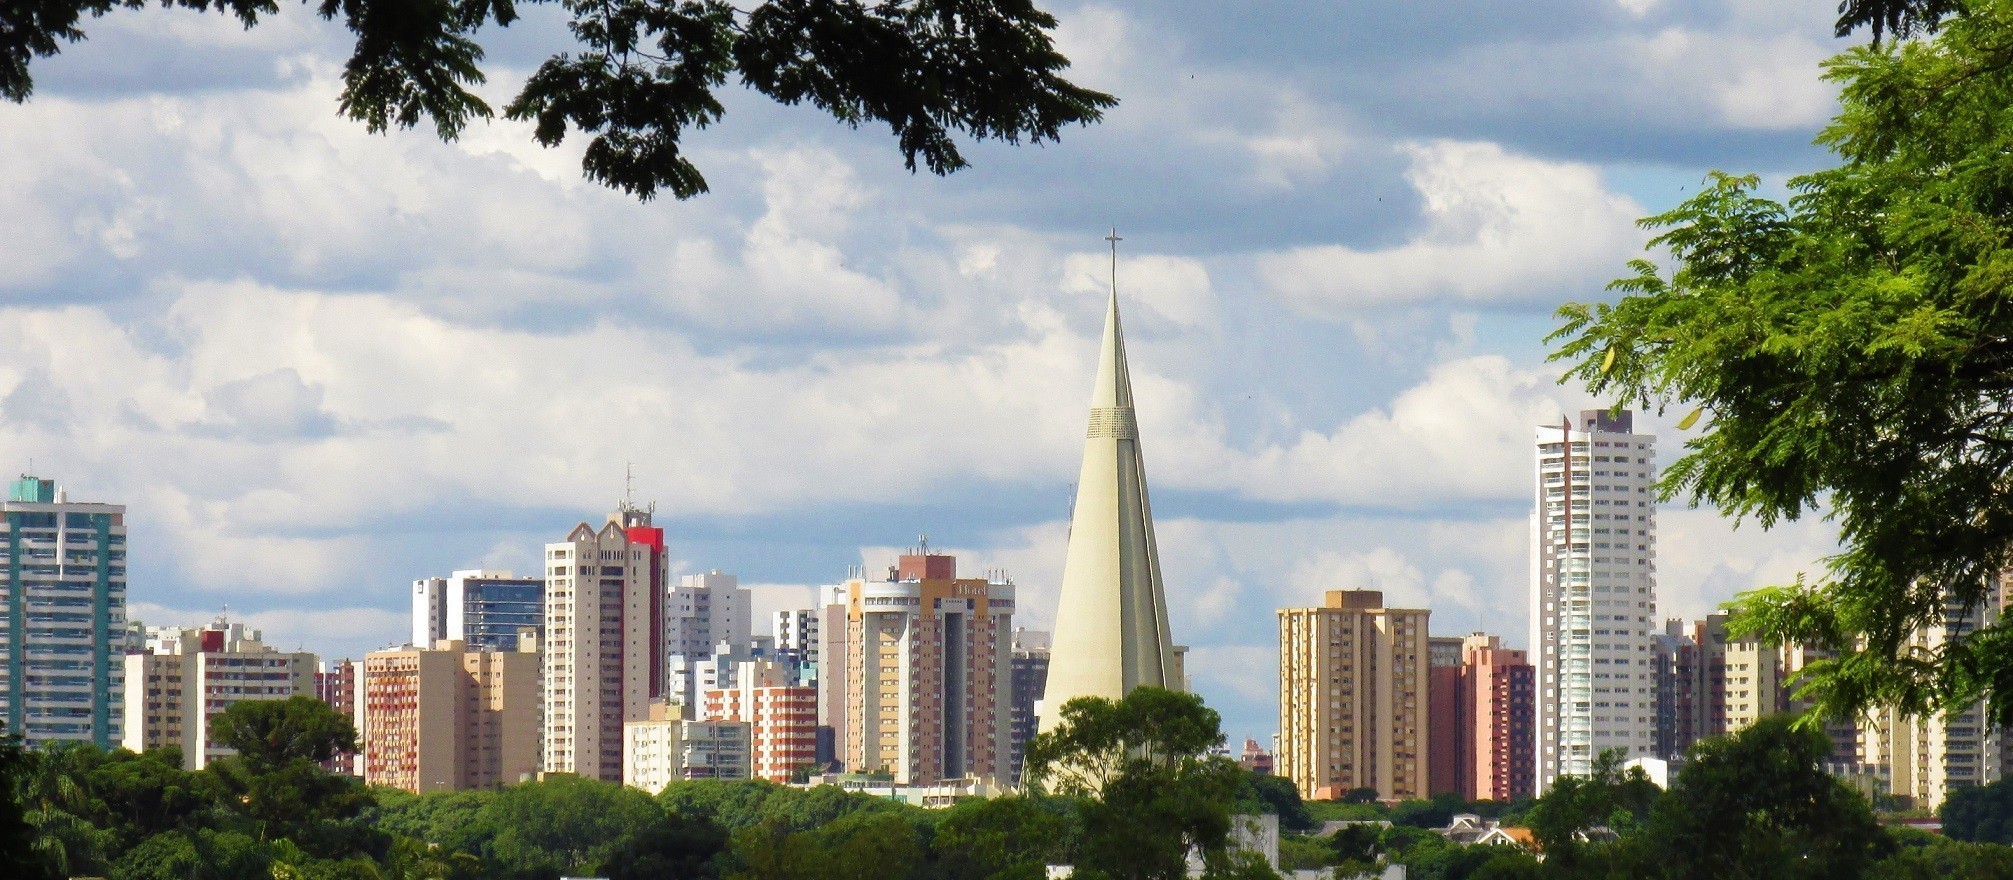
(63, 631)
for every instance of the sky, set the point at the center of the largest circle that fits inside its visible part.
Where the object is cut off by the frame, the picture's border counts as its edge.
(317, 364)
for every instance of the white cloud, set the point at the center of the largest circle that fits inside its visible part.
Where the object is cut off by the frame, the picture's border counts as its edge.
(1703, 561)
(1496, 226)
(1751, 81)
(1464, 432)
(1173, 288)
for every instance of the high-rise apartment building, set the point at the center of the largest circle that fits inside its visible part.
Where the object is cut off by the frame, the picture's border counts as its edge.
(1444, 652)
(604, 640)
(447, 718)
(833, 605)
(667, 748)
(1711, 637)
(1709, 684)
(1497, 720)
(704, 610)
(1675, 656)
(1353, 692)
(187, 676)
(339, 683)
(797, 643)
(704, 615)
(926, 683)
(1445, 738)
(484, 609)
(63, 632)
(1926, 758)
(782, 717)
(797, 630)
(1029, 677)
(1593, 592)
(1754, 683)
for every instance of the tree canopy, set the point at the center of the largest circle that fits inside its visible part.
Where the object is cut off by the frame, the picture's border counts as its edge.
(269, 733)
(1150, 790)
(1982, 813)
(1851, 353)
(1759, 804)
(642, 73)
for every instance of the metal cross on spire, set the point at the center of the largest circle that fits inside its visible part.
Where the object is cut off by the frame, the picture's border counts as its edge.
(1114, 239)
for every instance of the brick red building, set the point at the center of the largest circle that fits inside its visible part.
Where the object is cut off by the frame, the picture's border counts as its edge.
(783, 718)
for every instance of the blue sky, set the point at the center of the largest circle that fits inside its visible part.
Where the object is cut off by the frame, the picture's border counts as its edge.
(318, 364)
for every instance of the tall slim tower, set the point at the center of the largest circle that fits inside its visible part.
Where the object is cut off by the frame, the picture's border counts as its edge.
(603, 646)
(1593, 593)
(1111, 624)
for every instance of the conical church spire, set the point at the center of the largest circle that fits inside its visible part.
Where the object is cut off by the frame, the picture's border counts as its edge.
(1111, 624)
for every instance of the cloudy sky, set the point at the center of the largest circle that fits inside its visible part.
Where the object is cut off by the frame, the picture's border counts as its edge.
(317, 363)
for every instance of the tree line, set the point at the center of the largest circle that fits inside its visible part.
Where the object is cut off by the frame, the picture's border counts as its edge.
(1134, 789)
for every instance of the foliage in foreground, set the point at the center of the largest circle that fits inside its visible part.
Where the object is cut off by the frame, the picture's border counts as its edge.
(1851, 355)
(1147, 788)
(1754, 804)
(640, 74)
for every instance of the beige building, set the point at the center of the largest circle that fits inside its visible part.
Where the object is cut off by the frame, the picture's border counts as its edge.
(1353, 680)
(1755, 677)
(449, 719)
(667, 749)
(926, 680)
(604, 640)
(186, 677)
(1924, 759)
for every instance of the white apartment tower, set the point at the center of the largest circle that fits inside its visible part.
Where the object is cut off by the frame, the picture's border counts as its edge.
(1593, 592)
(703, 610)
(797, 630)
(62, 616)
(704, 615)
(603, 644)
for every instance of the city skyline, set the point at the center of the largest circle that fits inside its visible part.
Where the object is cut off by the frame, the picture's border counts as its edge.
(309, 406)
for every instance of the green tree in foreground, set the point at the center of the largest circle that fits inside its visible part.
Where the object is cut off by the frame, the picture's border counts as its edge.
(1150, 789)
(1759, 804)
(1266, 793)
(1004, 838)
(1610, 798)
(1924, 856)
(273, 733)
(19, 856)
(1982, 814)
(1851, 352)
(641, 73)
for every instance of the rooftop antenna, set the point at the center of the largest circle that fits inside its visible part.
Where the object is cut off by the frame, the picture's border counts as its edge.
(629, 485)
(923, 541)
